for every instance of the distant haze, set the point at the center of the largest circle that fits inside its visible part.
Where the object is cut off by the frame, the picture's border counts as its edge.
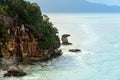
(72, 6)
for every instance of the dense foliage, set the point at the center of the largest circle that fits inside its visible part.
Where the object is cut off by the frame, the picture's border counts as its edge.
(30, 14)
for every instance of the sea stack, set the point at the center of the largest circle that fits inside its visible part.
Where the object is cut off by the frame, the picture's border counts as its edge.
(65, 39)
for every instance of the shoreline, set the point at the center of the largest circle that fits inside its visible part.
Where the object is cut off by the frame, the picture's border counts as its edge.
(31, 61)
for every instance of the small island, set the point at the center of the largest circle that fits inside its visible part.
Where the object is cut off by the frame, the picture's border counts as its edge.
(26, 35)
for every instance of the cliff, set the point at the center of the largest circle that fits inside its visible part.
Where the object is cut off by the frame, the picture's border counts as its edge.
(26, 34)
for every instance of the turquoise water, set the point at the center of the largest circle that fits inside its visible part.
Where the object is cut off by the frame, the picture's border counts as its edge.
(97, 35)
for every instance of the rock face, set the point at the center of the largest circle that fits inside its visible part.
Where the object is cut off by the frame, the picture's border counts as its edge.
(74, 50)
(65, 39)
(22, 43)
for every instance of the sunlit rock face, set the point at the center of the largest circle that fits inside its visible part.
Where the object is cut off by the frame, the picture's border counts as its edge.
(22, 43)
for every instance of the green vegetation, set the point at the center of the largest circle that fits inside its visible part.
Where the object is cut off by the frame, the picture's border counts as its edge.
(29, 14)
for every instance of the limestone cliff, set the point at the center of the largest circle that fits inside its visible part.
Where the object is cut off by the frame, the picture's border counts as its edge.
(25, 38)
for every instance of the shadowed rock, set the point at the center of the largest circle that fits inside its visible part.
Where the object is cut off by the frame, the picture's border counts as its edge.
(15, 71)
(74, 50)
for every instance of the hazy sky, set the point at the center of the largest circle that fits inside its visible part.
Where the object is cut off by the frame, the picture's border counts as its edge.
(107, 2)
(78, 5)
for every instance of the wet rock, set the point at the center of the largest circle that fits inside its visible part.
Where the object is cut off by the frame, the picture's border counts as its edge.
(57, 42)
(74, 50)
(65, 39)
(56, 53)
(1, 56)
(15, 71)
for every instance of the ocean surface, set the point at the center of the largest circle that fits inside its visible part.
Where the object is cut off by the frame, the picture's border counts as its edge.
(97, 35)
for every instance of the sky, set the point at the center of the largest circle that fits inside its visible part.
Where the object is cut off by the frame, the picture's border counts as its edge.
(107, 2)
(78, 5)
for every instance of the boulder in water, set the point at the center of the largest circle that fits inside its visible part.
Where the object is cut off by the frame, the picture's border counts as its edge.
(74, 50)
(15, 71)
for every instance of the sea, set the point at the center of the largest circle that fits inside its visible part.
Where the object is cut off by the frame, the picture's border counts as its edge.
(97, 35)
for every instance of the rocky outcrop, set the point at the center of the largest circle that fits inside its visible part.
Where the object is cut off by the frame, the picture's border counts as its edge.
(21, 47)
(25, 38)
(22, 43)
(65, 39)
(74, 50)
